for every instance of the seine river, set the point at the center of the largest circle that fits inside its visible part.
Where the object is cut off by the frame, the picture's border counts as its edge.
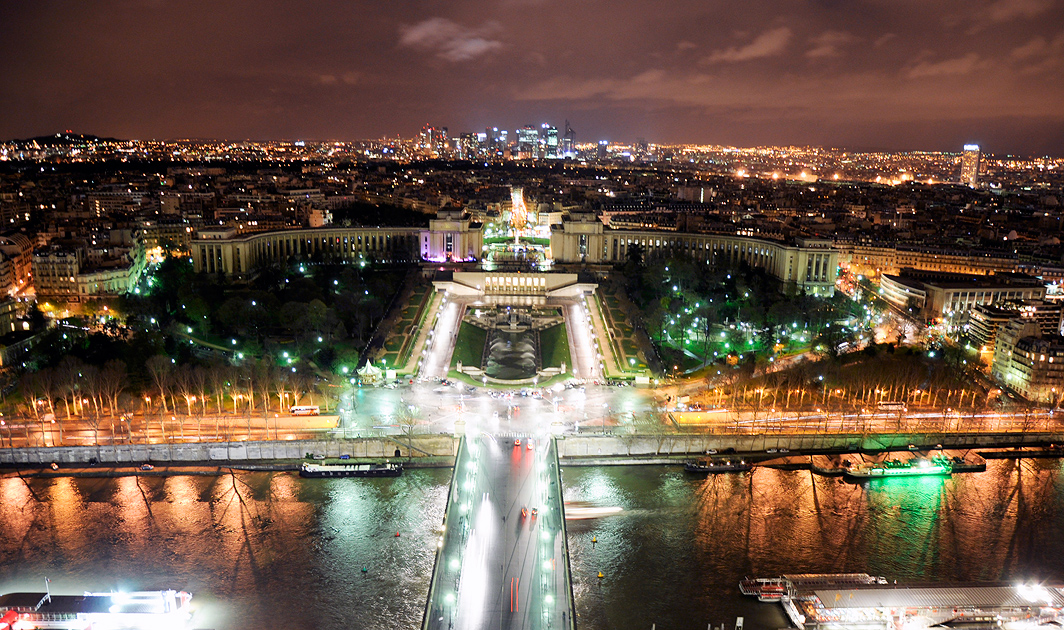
(271, 550)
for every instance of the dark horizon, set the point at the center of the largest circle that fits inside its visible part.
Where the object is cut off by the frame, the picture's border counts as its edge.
(986, 151)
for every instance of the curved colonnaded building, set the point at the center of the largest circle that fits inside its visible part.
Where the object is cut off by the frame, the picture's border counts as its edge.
(581, 239)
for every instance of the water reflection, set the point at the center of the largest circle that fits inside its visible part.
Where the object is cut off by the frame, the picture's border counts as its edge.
(258, 550)
(674, 557)
(263, 550)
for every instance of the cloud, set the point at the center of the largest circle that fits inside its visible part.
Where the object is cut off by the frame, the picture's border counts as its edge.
(1034, 48)
(882, 41)
(347, 78)
(1005, 10)
(1001, 11)
(1039, 55)
(949, 67)
(449, 40)
(854, 98)
(766, 44)
(686, 45)
(828, 43)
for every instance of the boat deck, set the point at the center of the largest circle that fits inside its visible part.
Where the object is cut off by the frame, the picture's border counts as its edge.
(859, 601)
(962, 460)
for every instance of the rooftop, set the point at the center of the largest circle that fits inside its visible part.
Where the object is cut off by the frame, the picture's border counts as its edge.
(983, 597)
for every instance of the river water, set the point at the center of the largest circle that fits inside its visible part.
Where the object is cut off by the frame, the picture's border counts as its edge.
(271, 550)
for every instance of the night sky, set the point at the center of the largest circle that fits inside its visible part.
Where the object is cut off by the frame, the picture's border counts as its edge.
(864, 74)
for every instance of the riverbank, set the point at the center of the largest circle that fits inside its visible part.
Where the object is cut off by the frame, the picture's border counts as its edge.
(438, 450)
(239, 454)
(204, 469)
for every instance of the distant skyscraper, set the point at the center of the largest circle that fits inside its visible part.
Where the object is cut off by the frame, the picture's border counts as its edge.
(552, 140)
(468, 146)
(527, 141)
(568, 141)
(433, 140)
(970, 165)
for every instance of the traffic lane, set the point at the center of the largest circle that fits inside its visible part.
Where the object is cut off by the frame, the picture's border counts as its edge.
(581, 339)
(510, 468)
(542, 597)
(440, 344)
(504, 476)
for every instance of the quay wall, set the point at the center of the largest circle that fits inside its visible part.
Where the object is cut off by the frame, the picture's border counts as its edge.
(573, 448)
(421, 446)
(623, 448)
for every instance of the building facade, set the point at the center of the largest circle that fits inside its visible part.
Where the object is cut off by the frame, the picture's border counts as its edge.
(55, 272)
(984, 321)
(236, 257)
(1028, 363)
(934, 296)
(970, 165)
(66, 274)
(873, 261)
(16, 263)
(808, 264)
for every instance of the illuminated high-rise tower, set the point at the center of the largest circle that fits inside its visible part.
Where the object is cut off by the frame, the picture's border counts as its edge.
(527, 141)
(970, 165)
(551, 133)
(568, 141)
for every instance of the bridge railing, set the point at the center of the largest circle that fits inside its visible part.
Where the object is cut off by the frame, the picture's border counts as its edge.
(567, 574)
(452, 496)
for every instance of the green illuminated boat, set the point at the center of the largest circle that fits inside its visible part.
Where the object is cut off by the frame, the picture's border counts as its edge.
(938, 466)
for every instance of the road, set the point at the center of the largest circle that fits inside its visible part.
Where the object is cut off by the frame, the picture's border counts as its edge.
(583, 351)
(160, 428)
(434, 408)
(502, 563)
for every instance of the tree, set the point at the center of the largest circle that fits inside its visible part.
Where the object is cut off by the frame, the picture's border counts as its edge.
(35, 388)
(197, 311)
(219, 375)
(182, 380)
(36, 318)
(706, 315)
(233, 315)
(654, 319)
(294, 317)
(160, 368)
(68, 374)
(634, 260)
(113, 380)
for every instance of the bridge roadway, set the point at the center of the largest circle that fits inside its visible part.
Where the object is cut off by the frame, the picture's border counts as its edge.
(496, 567)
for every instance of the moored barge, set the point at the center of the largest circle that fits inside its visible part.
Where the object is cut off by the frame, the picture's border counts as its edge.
(860, 601)
(938, 466)
(139, 609)
(717, 466)
(349, 470)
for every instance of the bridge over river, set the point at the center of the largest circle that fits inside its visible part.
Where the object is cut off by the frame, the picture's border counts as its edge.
(503, 560)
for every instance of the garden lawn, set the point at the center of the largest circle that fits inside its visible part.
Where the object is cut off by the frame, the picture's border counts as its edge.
(554, 347)
(469, 346)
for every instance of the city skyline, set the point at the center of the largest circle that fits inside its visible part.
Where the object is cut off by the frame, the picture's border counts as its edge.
(927, 77)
